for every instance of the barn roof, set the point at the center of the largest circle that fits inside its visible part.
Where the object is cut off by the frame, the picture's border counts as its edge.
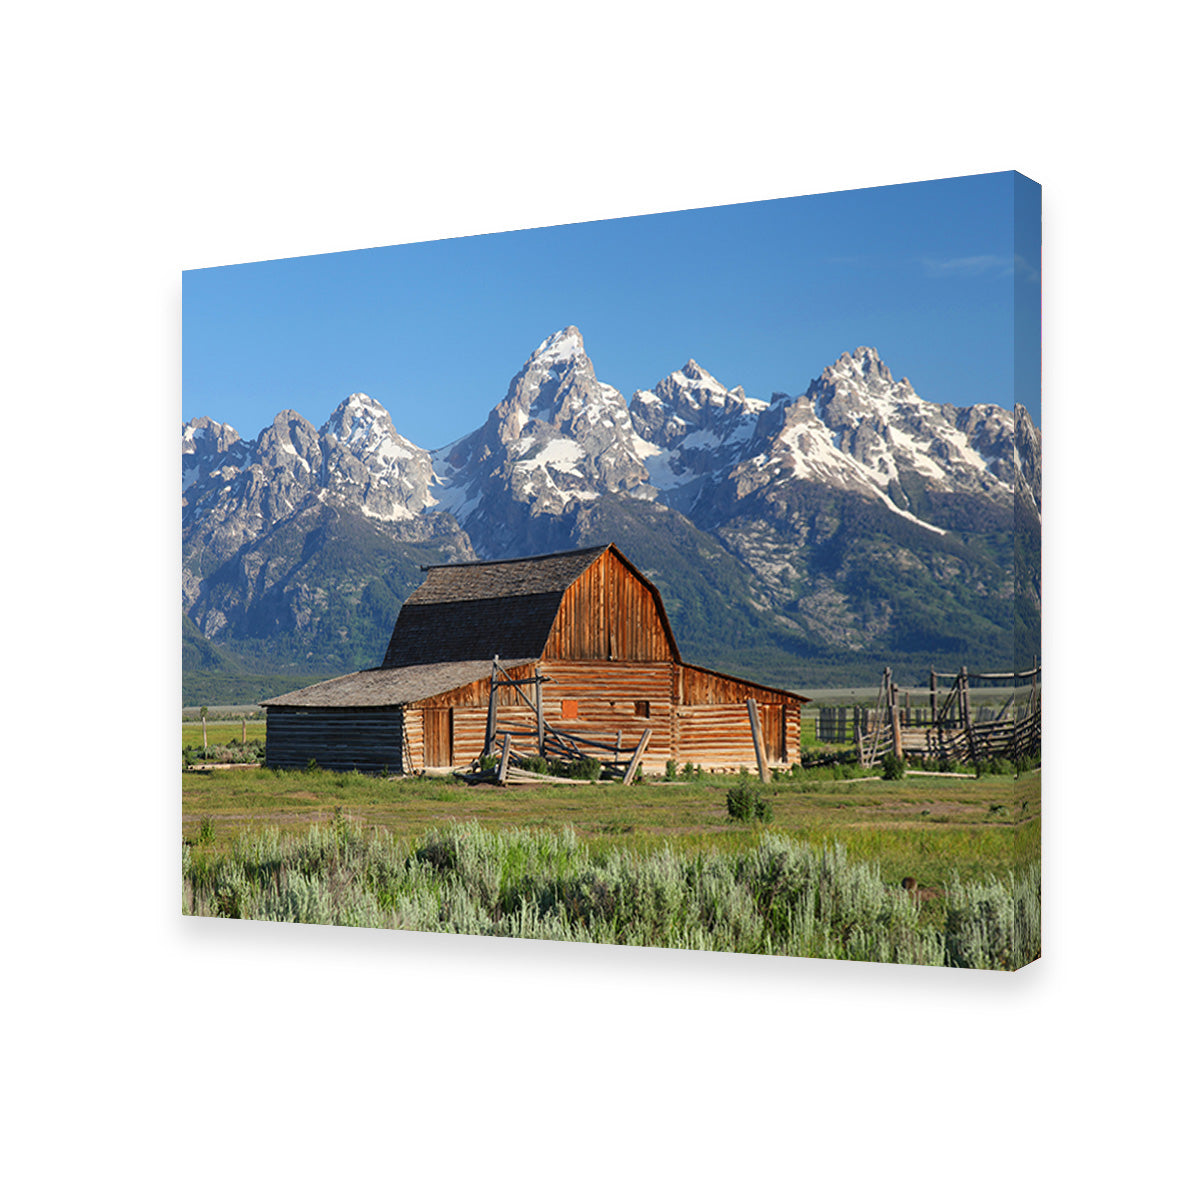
(466, 611)
(382, 687)
(504, 578)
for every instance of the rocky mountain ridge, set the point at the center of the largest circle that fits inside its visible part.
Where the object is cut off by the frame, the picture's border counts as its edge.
(822, 501)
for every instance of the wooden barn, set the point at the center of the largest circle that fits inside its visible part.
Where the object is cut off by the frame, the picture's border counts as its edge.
(587, 622)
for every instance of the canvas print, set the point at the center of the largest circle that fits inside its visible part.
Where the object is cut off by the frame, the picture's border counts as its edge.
(670, 581)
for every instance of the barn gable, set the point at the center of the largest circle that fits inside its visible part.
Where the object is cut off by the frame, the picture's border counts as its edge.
(583, 604)
(611, 612)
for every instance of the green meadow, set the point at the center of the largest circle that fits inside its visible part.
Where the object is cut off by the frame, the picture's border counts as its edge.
(969, 847)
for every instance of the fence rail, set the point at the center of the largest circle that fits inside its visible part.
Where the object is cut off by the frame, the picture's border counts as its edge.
(951, 726)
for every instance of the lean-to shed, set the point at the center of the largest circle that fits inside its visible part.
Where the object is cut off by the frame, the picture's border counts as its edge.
(588, 620)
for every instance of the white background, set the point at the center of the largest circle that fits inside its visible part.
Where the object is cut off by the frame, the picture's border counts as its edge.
(146, 1055)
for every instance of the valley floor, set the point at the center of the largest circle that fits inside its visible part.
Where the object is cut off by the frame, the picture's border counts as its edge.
(925, 827)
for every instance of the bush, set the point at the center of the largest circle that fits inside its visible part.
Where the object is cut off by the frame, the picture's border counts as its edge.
(584, 768)
(745, 802)
(893, 766)
(670, 768)
(234, 752)
(777, 896)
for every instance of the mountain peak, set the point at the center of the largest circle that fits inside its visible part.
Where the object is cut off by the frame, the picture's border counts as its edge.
(865, 361)
(357, 400)
(204, 435)
(357, 413)
(562, 346)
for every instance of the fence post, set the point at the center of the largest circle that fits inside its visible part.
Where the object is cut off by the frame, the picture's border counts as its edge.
(631, 770)
(504, 758)
(894, 713)
(541, 722)
(756, 730)
(489, 735)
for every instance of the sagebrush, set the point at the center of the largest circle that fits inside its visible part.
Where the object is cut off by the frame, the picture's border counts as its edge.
(780, 897)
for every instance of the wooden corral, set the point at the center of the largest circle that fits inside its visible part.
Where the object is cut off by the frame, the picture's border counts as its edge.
(588, 622)
(954, 732)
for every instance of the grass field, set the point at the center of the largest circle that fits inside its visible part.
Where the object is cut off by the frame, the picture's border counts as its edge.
(658, 863)
(221, 732)
(926, 827)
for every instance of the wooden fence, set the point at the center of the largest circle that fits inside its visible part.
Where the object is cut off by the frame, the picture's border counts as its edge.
(952, 727)
(545, 740)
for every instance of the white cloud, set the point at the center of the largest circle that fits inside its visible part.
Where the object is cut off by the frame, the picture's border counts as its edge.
(980, 265)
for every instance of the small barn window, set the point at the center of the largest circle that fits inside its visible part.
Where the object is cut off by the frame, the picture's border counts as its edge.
(570, 710)
(641, 708)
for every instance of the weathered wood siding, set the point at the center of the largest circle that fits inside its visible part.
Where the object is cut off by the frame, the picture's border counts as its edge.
(607, 696)
(414, 728)
(438, 727)
(714, 724)
(338, 739)
(625, 698)
(698, 685)
(791, 716)
(719, 735)
(609, 614)
(715, 735)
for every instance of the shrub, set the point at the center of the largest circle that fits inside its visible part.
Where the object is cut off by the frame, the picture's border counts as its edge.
(745, 802)
(584, 768)
(893, 766)
(670, 768)
(994, 924)
(777, 896)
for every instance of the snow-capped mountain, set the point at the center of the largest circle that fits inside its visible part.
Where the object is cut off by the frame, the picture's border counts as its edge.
(365, 459)
(559, 438)
(261, 519)
(858, 429)
(690, 427)
(852, 517)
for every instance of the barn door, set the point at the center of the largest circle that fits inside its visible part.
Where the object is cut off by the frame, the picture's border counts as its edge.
(773, 727)
(439, 737)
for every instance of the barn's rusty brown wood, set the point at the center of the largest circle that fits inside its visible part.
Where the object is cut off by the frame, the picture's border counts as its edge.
(593, 627)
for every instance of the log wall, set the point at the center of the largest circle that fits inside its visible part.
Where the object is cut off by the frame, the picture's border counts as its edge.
(607, 696)
(625, 698)
(338, 739)
(716, 735)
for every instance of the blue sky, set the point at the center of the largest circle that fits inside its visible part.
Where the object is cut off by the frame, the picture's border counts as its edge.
(941, 277)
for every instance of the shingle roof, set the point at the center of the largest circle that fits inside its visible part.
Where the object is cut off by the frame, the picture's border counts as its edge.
(382, 687)
(465, 612)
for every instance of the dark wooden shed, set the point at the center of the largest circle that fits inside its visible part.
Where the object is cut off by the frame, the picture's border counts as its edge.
(588, 620)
